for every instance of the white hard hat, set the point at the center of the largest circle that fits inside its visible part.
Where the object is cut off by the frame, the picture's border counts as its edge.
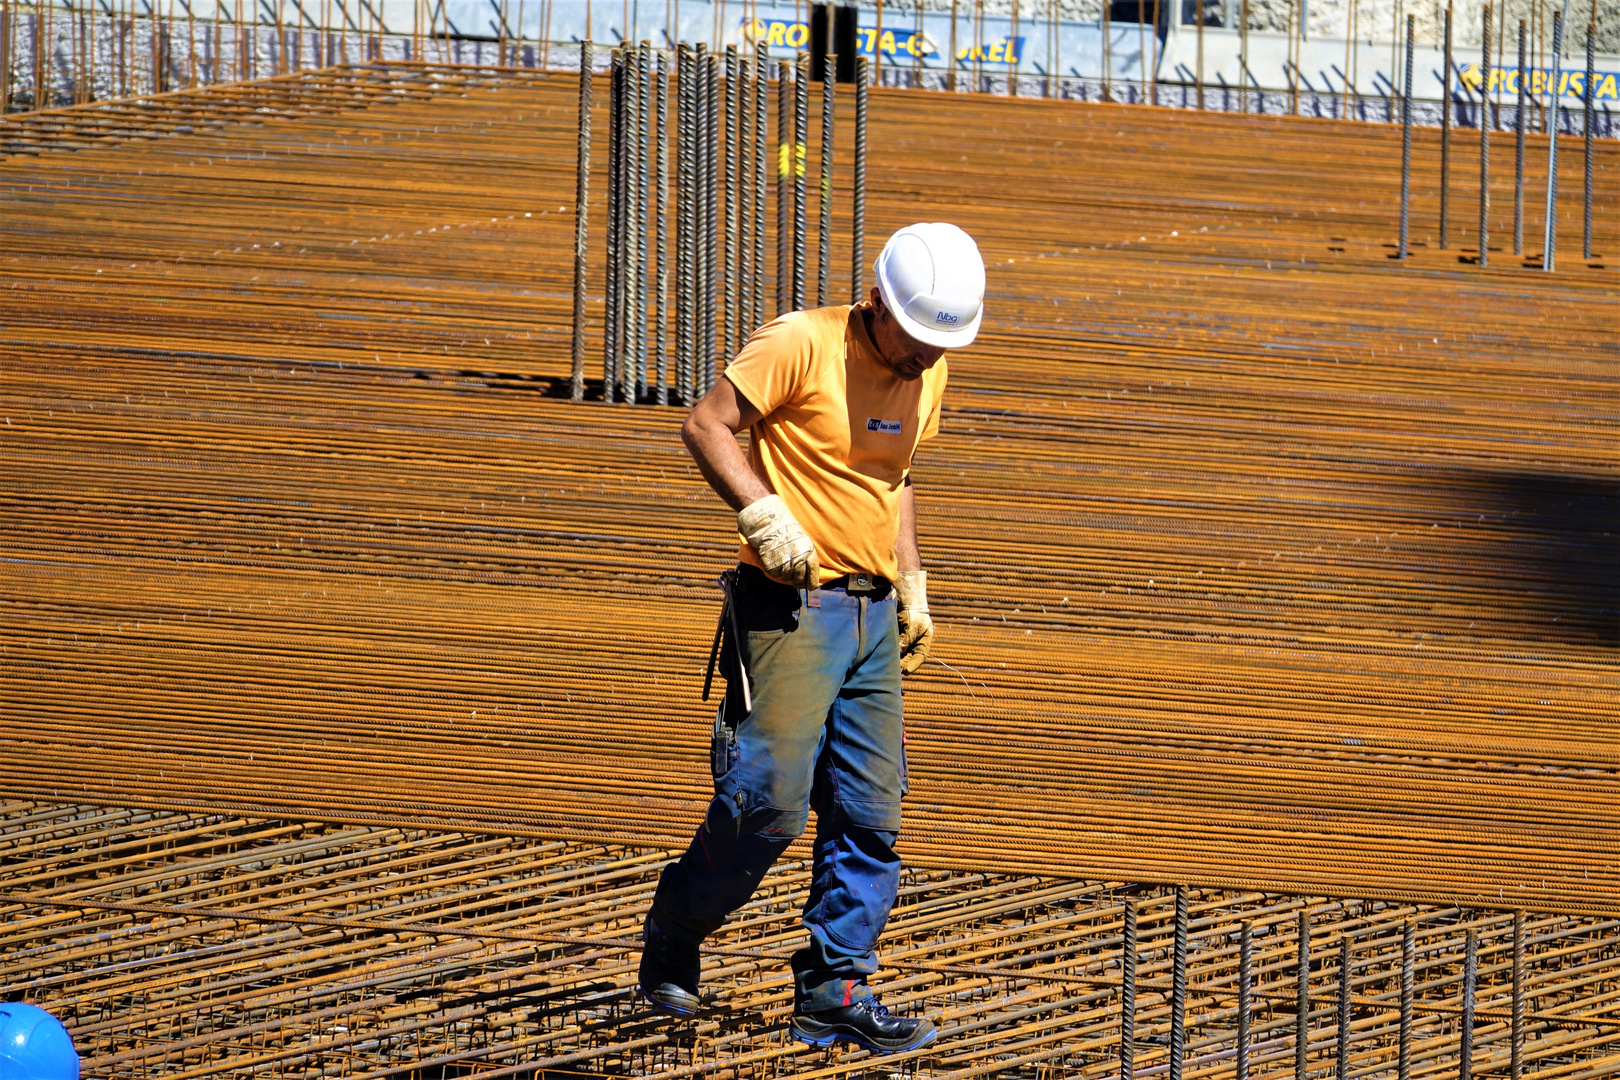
(932, 278)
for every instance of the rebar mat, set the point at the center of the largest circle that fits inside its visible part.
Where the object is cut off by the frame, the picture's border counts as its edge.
(191, 945)
(1258, 560)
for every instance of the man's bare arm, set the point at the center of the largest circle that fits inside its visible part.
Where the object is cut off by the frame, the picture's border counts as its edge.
(905, 545)
(710, 434)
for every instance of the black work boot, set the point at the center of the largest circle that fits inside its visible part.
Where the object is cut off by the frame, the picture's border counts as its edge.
(669, 971)
(866, 1023)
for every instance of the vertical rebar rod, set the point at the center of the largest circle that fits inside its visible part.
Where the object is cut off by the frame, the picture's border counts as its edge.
(1550, 235)
(1465, 1049)
(661, 231)
(857, 192)
(824, 206)
(644, 164)
(42, 19)
(678, 208)
(1445, 135)
(1296, 45)
(1302, 991)
(629, 171)
(1012, 43)
(1198, 74)
(784, 186)
(801, 138)
(1406, 141)
(1516, 1034)
(1501, 44)
(1586, 113)
(702, 226)
(624, 358)
(1107, 50)
(1485, 138)
(1342, 1050)
(877, 47)
(582, 202)
(1178, 987)
(746, 275)
(693, 82)
(1127, 998)
(685, 266)
(1245, 982)
(711, 215)
(1408, 970)
(762, 86)
(5, 56)
(1518, 150)
(733, 77)
(610, 318)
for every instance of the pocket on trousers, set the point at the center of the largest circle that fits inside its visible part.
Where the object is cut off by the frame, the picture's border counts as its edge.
(722, 745)
(766, 606)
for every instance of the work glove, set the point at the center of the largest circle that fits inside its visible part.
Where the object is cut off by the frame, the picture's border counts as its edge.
(780, 542)
(916, 627)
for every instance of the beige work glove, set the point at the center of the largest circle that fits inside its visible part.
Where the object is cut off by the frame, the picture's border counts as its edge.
(780, 542)
(916, 627)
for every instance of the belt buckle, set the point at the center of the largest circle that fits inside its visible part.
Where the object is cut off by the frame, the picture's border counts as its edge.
(859, 583)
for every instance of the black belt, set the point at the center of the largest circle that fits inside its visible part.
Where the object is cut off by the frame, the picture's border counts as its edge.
(860, 584)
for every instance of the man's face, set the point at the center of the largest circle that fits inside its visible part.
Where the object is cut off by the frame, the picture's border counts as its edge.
(904, 355)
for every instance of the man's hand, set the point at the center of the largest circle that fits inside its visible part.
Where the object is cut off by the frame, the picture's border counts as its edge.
(780, 542)
(916, 626)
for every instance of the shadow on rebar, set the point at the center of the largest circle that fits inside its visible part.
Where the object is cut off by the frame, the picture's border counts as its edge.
(1554, 547)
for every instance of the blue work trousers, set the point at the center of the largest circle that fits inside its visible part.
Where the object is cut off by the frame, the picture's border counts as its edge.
(825, 732)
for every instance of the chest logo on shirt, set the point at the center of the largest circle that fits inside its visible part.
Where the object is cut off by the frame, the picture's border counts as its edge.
(884, 427)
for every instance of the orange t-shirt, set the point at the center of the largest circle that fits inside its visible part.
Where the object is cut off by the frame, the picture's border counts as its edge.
(836, 433)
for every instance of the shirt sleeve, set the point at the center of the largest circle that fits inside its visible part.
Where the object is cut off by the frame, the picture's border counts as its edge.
(773, 367)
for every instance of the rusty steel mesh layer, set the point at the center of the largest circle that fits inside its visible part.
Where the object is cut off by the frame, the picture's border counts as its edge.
(225, 105)
(1258, 560)
(192, 945)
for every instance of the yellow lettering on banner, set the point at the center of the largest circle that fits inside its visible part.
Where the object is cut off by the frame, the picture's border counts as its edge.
(798, 34)
(1471, 77)
(1608, 88)
(1012, 50)
(1563, 83)
(998, 52)
(1538, 82)
(777, 35)
(888, 42)
(1577, 83)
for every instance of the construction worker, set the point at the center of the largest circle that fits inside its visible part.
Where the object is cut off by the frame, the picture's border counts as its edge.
(829, 606)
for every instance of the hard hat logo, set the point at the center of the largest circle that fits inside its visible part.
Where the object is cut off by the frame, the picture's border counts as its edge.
(931, 277)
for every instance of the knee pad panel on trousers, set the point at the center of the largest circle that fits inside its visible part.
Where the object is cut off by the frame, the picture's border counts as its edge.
(732, 821)
(858, 879)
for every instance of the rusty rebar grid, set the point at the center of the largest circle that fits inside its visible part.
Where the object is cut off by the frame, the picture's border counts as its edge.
(221, 944)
